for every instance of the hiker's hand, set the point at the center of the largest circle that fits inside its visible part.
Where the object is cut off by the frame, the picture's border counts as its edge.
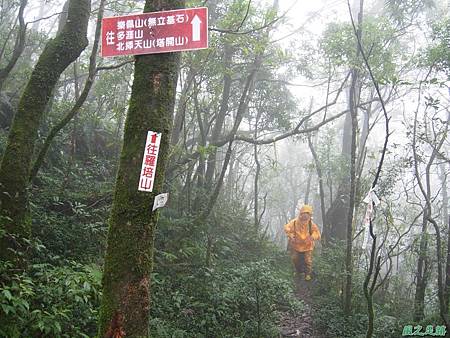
(310, 239)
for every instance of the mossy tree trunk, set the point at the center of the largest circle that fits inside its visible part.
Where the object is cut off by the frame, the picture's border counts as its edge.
(129, 255)
(80, 98)
(58, 54)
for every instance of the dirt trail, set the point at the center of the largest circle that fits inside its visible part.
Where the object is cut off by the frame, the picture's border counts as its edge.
(301, 326)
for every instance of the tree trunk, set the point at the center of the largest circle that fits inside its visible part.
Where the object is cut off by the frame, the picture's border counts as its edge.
(181, 109)
(320, 179)
(338, 212)
(446, 219)
(441, 290)
(59, 53)
(256, 189)
(349, 239)
(74, 131)
(229, 191)
(129, 255)
(200, 192)
(425, 188)
(217, 130)
(257, 173)
(242, 108)
(447, 268)
(308, 185)
(354, 102)
(80, 99)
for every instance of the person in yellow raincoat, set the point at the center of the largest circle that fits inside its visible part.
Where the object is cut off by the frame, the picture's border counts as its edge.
(302, 233)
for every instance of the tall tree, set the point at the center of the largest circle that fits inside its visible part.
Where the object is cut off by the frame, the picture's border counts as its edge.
(340, 213)
(129, 255)
(59, 53)
(353, 106)
(425, 187)
(374, 263)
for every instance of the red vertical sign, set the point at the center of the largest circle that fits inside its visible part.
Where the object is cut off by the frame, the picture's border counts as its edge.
(157, 32)
(149, 161)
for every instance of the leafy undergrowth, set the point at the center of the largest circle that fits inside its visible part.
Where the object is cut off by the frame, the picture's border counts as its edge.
(58, 295)
(327, 299)
(61, 299)
(50, 301)
(236, 288)
(244, 301)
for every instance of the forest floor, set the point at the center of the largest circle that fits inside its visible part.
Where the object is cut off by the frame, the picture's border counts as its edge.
(302, 325)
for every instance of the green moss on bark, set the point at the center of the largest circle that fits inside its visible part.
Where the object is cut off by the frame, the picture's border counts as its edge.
(15, 166)
(129, 255)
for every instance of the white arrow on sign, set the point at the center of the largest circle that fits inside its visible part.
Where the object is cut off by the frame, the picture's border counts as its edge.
(196, 28)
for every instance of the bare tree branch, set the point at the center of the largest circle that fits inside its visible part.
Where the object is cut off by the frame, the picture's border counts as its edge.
(18, 47)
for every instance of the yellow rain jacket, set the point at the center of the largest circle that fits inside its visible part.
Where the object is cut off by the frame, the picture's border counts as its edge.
(298, 235)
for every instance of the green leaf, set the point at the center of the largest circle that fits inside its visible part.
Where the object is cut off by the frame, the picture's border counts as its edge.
(7, 294)
(25, 304)
(7, 308)
(87, 286)
(57, 327)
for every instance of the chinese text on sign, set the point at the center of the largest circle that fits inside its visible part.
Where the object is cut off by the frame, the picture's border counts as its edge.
(149, 161)
(157, 32)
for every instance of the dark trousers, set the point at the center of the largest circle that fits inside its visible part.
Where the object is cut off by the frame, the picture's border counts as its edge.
(302, 261)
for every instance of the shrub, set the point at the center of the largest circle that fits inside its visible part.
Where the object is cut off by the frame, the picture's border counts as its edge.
(239, 302)
(54, 301)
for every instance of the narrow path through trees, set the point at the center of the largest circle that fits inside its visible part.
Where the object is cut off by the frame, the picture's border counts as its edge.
(301, 325)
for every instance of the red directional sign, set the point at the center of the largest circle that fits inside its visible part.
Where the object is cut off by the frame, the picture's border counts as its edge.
(157, 32)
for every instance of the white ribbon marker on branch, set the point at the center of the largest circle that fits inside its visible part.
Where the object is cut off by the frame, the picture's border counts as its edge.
(371, 199)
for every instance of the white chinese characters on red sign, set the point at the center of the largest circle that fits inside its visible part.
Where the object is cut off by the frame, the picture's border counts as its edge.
(149, 161)
(157, 32)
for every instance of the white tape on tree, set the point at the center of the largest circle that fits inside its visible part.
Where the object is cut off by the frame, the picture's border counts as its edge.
(372, 200)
